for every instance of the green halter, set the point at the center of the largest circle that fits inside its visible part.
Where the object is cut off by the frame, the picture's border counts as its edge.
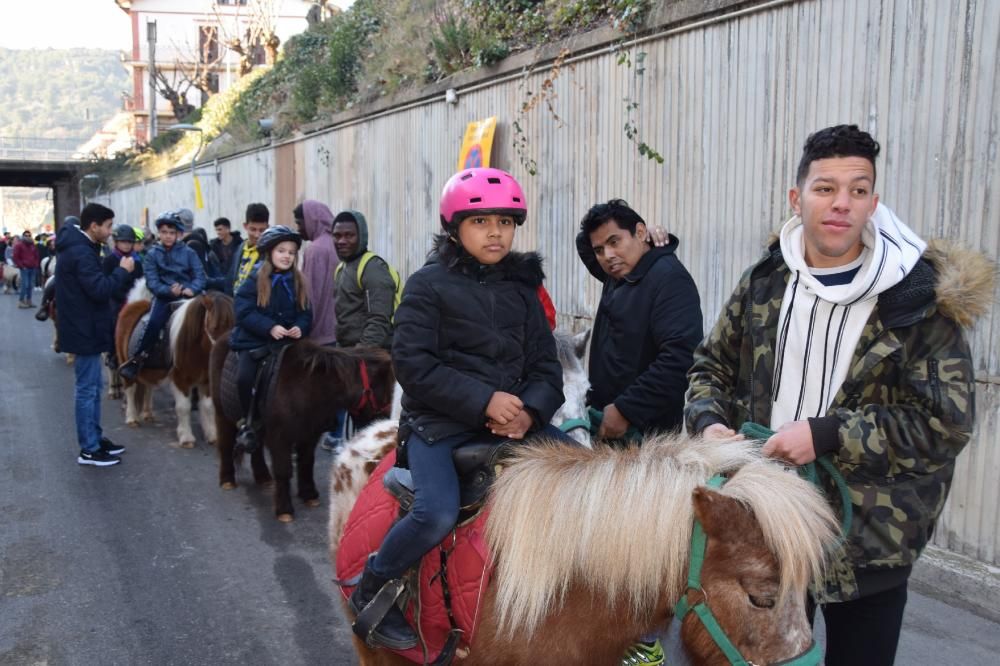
(811, 657)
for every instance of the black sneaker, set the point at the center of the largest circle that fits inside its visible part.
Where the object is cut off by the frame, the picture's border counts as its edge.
(98, 458)
(110, 447)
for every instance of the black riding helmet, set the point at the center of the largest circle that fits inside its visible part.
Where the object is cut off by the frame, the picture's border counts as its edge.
(171, 218)
(124, 233)
(274, 235)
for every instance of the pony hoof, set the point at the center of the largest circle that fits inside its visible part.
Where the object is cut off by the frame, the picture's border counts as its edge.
(286, 517)
(264, 483)
(187, 445)
(148, 419)
(132, 424)
(212, 442)
(228, 485)
(312, 503)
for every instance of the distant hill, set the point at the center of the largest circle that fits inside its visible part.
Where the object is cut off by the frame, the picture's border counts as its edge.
(59, 93)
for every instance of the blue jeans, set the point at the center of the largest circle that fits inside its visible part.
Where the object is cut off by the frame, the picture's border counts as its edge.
(89, 384)
(435, 503)
(27, 284)
(159, 315)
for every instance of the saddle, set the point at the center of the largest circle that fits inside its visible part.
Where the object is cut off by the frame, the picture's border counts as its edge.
(159, 357)
(477, 466)
(268, 364)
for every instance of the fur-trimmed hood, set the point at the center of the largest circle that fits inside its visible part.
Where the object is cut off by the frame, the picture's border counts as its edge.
(966, 280)
(525, 267)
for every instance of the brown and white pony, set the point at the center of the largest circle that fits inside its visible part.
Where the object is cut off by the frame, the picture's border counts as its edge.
(314, 382)
(194, 327)
(591, 549)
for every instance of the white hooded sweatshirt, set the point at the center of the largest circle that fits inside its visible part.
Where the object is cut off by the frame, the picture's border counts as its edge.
(820, 326)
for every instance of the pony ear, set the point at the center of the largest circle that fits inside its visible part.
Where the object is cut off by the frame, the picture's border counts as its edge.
(719, 515)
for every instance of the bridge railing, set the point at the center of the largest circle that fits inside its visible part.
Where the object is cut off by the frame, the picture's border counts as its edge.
(39, 149)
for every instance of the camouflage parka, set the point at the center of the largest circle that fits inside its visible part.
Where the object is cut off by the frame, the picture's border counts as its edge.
(900, 418)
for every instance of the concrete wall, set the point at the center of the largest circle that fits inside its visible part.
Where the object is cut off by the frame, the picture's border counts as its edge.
(728, 94)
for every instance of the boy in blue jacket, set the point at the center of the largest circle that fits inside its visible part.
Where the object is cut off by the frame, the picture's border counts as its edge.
(173, 271)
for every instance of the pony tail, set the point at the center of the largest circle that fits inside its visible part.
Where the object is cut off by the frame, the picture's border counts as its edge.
(264, 283)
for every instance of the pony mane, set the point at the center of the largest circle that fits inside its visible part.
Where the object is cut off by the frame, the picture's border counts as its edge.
(561, 514)
(339, 361)
(139, 292)
(180, 327)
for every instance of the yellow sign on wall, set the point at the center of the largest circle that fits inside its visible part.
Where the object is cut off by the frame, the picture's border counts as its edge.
(477, 144)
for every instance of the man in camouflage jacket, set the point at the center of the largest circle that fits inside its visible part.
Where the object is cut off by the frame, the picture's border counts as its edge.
(895, 419)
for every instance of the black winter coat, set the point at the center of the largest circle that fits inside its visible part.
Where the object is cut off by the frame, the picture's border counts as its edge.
(465, 331)
(109, 264)
(83, 294)
(254, 323)
(645, 333)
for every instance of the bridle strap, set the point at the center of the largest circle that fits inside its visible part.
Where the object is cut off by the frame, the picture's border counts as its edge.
(367, 394)
(569, 425)
(810, 657)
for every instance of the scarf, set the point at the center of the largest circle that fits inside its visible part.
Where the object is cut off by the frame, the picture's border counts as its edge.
(285, 280)
(820, 325)
(248, 259)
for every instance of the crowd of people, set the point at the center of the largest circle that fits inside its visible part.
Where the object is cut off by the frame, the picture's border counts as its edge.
(833, 340)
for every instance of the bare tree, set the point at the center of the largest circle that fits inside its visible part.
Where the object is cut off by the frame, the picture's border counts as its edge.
(175, 89)
(252, 35)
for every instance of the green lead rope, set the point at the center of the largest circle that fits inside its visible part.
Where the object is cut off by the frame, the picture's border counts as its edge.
(810, 472)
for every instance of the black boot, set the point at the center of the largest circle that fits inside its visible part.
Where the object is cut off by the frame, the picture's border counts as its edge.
(246, 437)
(130, 369)
(371, 595)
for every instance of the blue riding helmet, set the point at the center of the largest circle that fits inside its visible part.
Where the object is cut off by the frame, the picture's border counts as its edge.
(277, 234)
(171, 218)
(125, 233)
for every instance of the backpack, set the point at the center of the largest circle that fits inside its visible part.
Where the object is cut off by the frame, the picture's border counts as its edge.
(365, 258)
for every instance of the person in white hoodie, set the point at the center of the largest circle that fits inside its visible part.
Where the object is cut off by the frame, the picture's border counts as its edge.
(847, 339)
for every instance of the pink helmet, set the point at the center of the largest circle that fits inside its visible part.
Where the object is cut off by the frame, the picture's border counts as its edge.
(482, 190)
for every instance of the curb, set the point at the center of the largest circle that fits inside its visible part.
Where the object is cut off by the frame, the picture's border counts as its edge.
(959, 581)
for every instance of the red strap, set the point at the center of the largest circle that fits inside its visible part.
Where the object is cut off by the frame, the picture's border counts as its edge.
(367, 394)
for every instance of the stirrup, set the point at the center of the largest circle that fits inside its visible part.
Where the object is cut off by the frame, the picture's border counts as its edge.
(642, 653)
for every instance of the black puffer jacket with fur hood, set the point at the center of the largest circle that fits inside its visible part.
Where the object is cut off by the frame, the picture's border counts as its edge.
(464, 331)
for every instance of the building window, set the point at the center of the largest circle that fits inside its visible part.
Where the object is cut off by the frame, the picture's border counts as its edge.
(232, 2)
(208, 44)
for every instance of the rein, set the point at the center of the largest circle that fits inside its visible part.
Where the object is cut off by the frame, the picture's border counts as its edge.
(813, 656)
(810, 472)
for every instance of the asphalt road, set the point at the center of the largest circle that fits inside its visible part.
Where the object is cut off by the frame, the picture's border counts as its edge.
(149, 562)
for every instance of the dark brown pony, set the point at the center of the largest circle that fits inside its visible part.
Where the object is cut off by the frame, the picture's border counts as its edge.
(195, 326)
(314, 382)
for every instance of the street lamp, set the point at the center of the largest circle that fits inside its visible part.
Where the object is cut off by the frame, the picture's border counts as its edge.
(97, 187)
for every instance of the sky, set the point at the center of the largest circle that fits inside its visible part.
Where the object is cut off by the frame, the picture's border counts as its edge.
(69, 24)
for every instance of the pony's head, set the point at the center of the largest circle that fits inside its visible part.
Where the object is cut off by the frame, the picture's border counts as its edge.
(759, 559)
(573, 412)
(616, 524)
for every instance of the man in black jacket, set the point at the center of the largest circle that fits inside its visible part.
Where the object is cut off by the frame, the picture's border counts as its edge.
(647, 325)
(83, 300)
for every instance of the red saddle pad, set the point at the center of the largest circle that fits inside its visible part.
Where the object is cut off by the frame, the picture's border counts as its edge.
(468, 565)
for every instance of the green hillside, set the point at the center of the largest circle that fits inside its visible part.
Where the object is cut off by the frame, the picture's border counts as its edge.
(59, 93)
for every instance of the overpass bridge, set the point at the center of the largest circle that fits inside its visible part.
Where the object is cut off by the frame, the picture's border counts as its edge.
(45, 163)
